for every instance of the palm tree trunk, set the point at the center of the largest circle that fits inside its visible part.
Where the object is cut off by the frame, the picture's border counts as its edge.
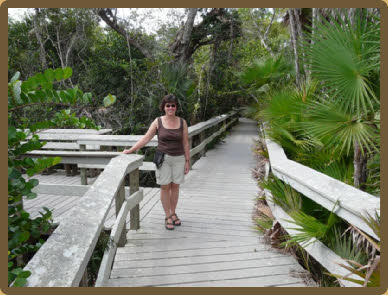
(300, 37)
(42, 52)
(360, 167)
(293, 44)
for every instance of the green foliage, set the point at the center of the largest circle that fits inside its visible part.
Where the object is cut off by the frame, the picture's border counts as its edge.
(283, 195)
(39, 89)
(310, 228)
(175, 79)
(345, 57)
(263, 223)
(24, 233)
(343, 246)
(274, 70)
(338, 129)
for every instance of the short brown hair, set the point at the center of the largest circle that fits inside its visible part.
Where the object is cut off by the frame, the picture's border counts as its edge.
(169, 98)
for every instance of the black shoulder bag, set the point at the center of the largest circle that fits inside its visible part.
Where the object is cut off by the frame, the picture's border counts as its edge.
(158, 158)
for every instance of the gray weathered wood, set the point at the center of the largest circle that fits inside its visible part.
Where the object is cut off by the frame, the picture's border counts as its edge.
(72, 243)
(119, 226)
(119, 200)
(75, 131)
(114, 140)
(135, 212)
(147, 166)
(216, 243)
(324, 190)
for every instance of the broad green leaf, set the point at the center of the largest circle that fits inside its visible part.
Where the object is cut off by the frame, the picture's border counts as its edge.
(15, 77)
(20, 282)
(24, 274)
(58, 74)
(34, 182)
(40, 78)
(41, 164)
(31, 196)
(11, 132)
(49, 75)
(109, 100)
(33, 82)
(17, 91)
(87, 97)
(67, 72)
(24, 236)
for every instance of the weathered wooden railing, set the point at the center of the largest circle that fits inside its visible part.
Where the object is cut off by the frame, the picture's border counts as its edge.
(130, 140)
(326, 191)
(62, 260)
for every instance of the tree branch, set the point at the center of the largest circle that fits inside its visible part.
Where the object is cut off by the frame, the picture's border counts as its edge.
(111, 21)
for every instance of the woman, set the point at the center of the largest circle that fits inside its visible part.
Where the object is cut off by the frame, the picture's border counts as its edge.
(173, 141)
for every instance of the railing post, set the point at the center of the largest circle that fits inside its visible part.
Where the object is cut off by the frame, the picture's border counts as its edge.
(84, 180)
(120, 198)
(202, 137)
(84, 280)
(190, 147)
(134, 187)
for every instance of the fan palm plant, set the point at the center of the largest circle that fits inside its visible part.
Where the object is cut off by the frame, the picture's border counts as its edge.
(345, 57)
(175, 79)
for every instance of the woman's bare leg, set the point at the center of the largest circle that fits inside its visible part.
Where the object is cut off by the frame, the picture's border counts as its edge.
(165, 197)
(174, 198)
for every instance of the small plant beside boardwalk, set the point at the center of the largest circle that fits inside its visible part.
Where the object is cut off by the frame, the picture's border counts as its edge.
(42, 93)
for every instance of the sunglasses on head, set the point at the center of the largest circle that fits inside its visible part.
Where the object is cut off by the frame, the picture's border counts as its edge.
(170, 105)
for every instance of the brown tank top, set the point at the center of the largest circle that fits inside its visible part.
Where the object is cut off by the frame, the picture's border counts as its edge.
(170, 141)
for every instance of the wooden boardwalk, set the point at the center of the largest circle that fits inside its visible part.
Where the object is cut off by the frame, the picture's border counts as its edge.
(216, 246)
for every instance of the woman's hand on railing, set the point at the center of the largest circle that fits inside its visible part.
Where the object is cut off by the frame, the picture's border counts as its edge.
(129, 151)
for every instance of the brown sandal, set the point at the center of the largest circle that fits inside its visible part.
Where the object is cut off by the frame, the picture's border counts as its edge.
(168, 223)
(177, 219)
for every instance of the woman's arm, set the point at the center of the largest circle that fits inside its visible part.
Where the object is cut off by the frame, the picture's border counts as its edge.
(145, 139)
(186, 146)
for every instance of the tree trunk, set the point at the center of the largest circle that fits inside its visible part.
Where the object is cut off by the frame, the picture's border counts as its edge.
(42, 52)
(299, 39)
(294, 45)
(182, 48)
(360, 167)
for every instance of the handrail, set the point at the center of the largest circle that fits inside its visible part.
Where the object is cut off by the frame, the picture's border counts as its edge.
(323, 189)
(130, 140)
(63, 258)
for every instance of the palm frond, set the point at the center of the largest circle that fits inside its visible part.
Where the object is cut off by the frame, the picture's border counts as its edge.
(343, 57)
(339, 129)
(282, 194)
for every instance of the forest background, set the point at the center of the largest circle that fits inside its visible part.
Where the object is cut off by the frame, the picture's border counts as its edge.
(312, 75)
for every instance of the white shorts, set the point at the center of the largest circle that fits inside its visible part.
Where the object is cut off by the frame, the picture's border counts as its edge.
(172, 170)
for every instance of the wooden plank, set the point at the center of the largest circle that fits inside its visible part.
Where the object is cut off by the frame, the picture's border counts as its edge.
(204, 277)
(254, 281)
(186, 245)
(147, 166)
(64, 190)
(75, 131)
(188, 253)
(194, 269)
(114, 140)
